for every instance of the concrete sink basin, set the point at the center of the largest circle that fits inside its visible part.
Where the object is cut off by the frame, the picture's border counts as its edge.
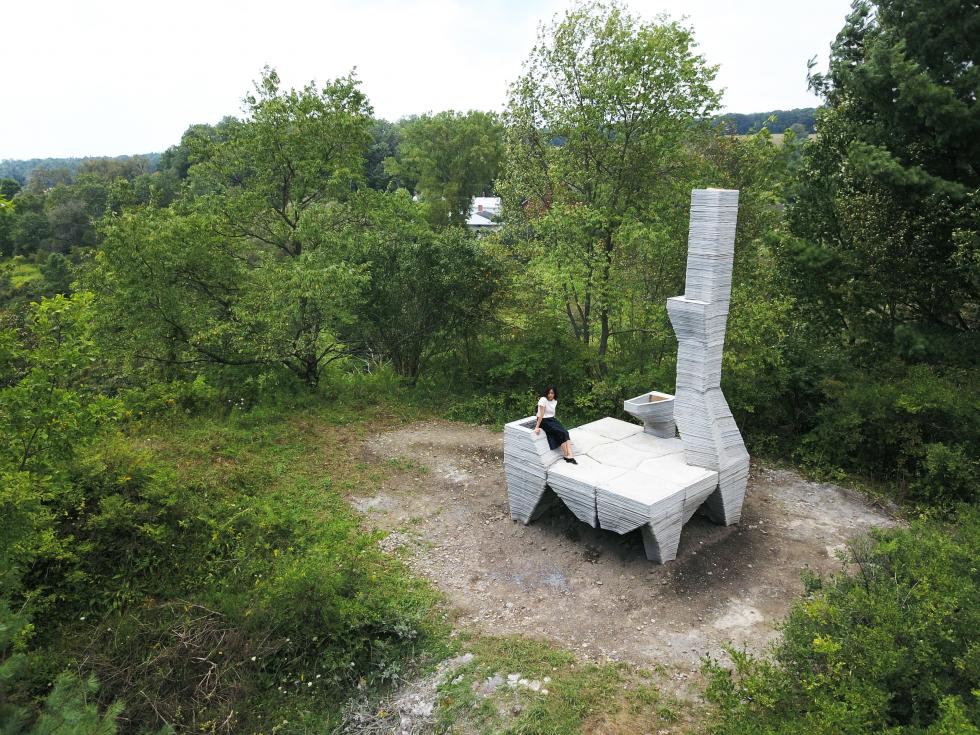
(656, 411)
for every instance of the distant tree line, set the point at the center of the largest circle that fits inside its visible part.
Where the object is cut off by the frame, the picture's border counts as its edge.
(801, 120)
(60, 169)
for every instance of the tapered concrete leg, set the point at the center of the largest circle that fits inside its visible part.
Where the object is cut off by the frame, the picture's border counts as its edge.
(660, 544)
(724, 505)
(546, 502)
(525, 508)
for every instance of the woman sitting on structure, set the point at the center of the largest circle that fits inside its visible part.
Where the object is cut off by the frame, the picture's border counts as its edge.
(556, 433)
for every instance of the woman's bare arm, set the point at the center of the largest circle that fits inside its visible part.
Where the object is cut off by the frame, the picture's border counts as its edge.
(537, 427)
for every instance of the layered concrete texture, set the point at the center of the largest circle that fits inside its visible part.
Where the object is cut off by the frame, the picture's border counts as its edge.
(630, 476)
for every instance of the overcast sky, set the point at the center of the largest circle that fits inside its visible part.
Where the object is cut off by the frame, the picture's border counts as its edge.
(109, 77)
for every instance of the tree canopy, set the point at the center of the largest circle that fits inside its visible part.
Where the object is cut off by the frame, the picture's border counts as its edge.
(449, 158)
(599, 129)
(888, 204)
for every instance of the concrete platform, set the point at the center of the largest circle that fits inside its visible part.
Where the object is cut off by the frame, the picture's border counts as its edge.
(624, 480)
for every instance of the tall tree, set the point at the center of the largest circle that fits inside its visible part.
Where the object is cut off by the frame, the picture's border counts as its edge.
(452, 157)
(6, 225)
(600, 128)
(9, 188)
(888, 204)
(426, 288)
(226, 275)
(384, 145)
(31, 229)
(73, 209)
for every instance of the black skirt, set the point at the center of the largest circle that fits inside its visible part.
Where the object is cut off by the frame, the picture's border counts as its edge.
(557, 434)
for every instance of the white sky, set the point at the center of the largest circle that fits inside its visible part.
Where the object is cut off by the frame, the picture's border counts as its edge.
(110, 77)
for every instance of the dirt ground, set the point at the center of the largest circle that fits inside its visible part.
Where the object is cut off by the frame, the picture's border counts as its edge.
(592, 590)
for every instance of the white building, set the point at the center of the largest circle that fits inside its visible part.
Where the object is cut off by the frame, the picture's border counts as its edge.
(484, 214)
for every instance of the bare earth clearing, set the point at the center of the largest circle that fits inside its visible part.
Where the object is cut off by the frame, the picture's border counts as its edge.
(594, 591)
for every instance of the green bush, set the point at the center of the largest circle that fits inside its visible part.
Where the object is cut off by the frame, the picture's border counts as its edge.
(200, 594)
(887, 645)
(68, 708)
(891, 424)
(185, 584)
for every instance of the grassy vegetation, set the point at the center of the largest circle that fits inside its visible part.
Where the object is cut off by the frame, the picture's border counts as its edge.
(302, 462)
(306, 460)
(22, 272)
(208, 571)
(573, 696)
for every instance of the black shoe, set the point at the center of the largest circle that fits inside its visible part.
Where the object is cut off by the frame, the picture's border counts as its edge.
(571, 459)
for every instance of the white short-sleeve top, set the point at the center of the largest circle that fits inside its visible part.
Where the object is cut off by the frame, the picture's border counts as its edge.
(549, 407)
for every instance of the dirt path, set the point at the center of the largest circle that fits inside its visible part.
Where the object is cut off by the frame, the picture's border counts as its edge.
(591, 590)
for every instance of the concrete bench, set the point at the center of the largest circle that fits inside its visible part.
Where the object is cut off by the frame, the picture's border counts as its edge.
(625, 479)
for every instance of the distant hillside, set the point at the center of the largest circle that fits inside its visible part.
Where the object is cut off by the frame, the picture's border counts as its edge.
(20, 170)
(741, 124)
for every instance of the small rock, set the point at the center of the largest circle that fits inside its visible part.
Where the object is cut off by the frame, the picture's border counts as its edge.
(491, 684)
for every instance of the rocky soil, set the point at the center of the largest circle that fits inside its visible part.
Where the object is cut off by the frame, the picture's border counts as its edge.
(594, 591)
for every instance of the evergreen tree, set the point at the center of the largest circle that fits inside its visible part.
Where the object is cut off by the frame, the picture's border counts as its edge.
(888, 204)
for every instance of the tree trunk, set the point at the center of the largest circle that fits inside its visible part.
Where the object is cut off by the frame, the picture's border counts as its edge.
(603, 339)
(607, 246)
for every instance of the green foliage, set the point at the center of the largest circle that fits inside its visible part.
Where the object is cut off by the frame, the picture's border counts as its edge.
(8, 188)
(241, 577)
(49, 403)
(30, 229)
(173, 291)
(296, 149)
(425, 290)
(882, 265)
(226, 278)
(7, 219)
(69, 707)
(448, 158)
(49, 411)
(599, 130)
(193, 588)
(56, 273)
(72, 210)
(885, 199)
(126, 166)
(890, 647)
(70, 710)
(384, 145)
(777, 121)
(909, 422)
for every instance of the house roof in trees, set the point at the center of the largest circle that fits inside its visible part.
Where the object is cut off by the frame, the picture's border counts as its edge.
(483, 212)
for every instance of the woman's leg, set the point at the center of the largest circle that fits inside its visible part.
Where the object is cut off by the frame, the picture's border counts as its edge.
(566, 448)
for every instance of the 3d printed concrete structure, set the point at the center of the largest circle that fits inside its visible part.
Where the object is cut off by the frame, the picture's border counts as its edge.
(628, 476)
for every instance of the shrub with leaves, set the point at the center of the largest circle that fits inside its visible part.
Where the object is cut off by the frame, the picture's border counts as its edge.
(887, 645)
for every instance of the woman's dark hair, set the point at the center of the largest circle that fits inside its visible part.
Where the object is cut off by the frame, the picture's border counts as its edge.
(549, 388)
